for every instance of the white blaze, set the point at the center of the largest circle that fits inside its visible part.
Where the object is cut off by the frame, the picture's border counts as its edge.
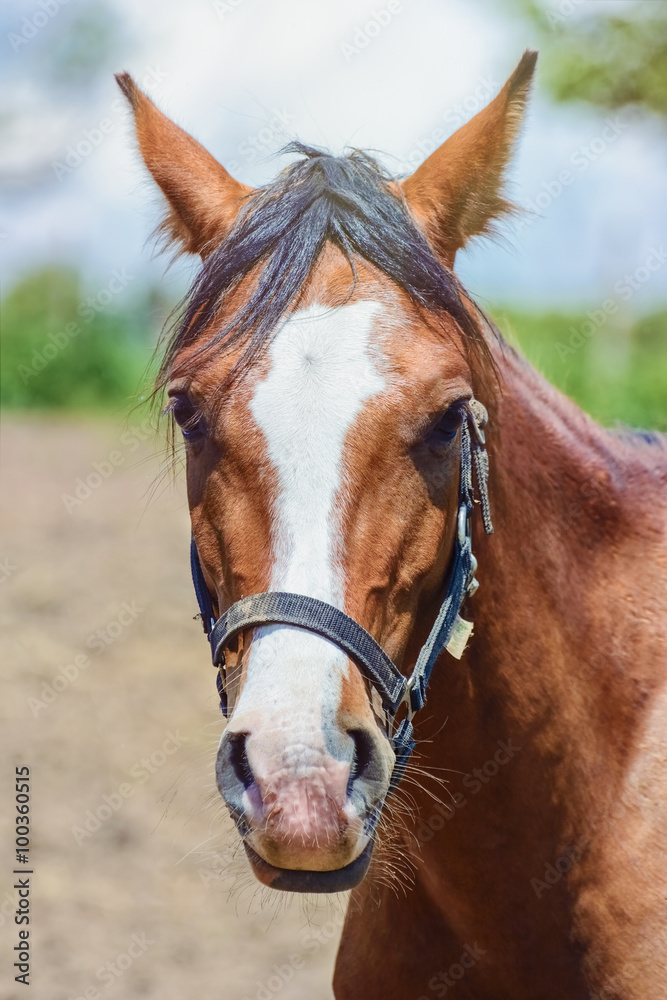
(322, 371)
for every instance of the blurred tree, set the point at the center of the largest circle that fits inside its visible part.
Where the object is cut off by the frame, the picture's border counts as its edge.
(63, 348)
(616, 373)
(612, 59)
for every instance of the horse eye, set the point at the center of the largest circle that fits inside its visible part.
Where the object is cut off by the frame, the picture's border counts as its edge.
(187, 417)
(446, 427)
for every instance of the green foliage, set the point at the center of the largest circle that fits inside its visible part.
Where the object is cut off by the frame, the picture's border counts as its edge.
(615, 368)
(614, 63)
(610, 60)
(62, 348)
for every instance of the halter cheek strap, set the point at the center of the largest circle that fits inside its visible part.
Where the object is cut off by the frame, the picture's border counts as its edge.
(448, 631)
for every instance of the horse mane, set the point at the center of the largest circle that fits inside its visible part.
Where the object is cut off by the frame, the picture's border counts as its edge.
(284, 226)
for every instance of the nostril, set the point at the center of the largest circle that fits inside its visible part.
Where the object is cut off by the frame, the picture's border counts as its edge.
(238, 758)
(363, 752)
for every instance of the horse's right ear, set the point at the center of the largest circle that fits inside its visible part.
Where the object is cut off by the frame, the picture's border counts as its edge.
(203, 197)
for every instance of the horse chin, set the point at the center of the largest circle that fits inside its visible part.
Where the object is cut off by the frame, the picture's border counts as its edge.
(302, 880)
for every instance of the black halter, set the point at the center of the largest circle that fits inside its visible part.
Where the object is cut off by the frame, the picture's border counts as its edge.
(449, 629)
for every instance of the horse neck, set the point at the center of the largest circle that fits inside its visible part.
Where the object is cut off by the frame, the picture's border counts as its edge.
(550, 666)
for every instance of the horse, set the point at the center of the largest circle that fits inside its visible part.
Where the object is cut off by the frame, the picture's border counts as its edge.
(352, 422)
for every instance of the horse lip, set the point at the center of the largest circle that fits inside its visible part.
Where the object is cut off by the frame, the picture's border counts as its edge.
(300, 880)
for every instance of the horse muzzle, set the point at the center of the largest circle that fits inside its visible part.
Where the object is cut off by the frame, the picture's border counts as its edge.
(307, 818)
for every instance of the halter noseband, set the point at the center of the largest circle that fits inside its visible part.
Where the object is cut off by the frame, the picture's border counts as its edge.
(449, 630)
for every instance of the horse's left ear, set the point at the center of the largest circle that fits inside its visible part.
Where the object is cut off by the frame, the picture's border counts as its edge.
(203, 197)
(458, 191)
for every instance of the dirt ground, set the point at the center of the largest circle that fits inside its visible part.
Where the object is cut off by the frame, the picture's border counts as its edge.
(138, 890)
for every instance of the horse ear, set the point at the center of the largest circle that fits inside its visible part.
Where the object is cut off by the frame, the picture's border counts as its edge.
(203, 198)
(458, 191)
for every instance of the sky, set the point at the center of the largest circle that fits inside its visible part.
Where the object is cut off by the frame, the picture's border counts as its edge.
(245, 76)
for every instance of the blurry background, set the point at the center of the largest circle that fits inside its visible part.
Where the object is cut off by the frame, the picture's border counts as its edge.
(245, 76)
(94, 557)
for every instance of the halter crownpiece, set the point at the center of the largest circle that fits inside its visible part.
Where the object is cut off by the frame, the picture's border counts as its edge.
(449, 631)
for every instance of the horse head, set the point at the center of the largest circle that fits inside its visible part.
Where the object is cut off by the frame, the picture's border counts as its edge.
(321, 376)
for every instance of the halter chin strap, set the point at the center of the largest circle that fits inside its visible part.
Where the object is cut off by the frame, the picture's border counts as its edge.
(449, 631)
